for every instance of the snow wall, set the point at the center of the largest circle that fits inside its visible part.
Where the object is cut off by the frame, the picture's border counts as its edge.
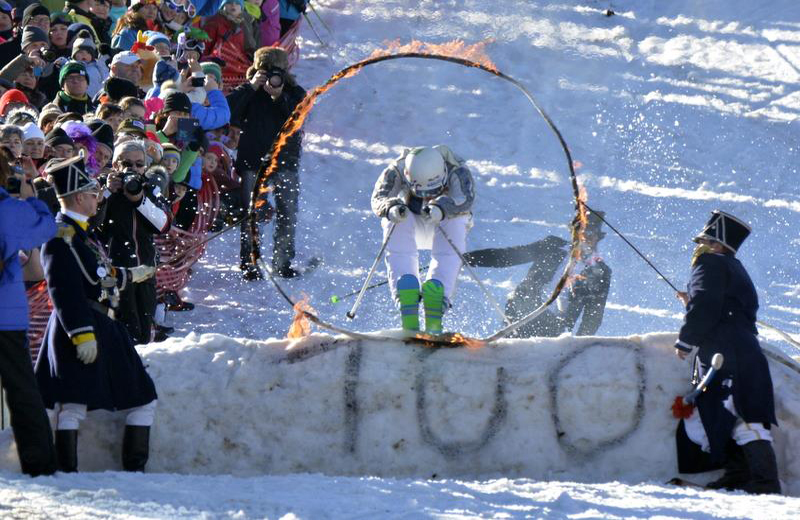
(583, 409)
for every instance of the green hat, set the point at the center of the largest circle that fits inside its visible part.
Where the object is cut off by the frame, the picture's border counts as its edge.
(72, 67)
(209, 67)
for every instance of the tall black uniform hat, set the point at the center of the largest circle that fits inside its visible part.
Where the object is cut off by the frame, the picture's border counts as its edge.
(725, 229)
(69, 176)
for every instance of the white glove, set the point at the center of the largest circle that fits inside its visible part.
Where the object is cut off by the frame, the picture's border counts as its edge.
(141, 273)
(87, 351)
(432, 213)
(397, 213)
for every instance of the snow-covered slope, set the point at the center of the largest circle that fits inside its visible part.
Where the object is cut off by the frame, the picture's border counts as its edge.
(672, 109)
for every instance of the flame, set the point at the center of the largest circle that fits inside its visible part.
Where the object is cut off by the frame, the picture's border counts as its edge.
(454, 49)
(301, 325)
(447, 340)
(580, 223)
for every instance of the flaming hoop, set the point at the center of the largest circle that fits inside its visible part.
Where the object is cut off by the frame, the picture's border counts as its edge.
(454, 52)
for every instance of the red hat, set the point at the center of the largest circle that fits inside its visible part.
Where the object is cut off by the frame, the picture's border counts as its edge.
(12, 96)
(216, 148)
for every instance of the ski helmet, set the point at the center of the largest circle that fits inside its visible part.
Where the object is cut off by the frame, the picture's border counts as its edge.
(425, 171)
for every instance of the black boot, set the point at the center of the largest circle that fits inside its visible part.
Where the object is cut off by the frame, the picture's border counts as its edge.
(67, 450)
(135, 447)
(736, 472)
(763, 468)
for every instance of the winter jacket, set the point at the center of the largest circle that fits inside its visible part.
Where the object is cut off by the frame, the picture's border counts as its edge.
(289, 10)
(268, 25)
(78, 15)
(68, 103)
(216, 115)
(10, 49)
(261, 118)
(392, 188)
(24, 224)
(124, 39)
(190, 167)
(128, 228)
(98, 72)
(220, 28)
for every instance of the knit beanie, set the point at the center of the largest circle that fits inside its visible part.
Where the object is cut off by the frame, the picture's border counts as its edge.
(177, 101)
(170, 150)
(72, 67)
(103, 132)
(49, 111)
(11, 96)
(60, 18)
(57, 136)
(163, 71)
(31, 131)
(118, 88)
(84, 42)
(35, 9)
(212, 69)
(154, 37)
(31, 34)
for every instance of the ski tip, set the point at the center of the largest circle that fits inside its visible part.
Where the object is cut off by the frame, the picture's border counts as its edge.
(350, 315)
(445, 340)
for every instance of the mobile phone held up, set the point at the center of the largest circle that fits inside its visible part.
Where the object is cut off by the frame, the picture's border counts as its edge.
(187, 128)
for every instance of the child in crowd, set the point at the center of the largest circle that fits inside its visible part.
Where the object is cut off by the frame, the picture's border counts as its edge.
(85, 51)
(132, 108)
(110, 113)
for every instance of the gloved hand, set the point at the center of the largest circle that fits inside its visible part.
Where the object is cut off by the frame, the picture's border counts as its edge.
(432, 213)
(141, 273)
(397, 213)
(87, 351)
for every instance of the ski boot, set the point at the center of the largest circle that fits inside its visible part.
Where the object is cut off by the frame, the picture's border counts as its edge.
(408, 299)
(433, 301)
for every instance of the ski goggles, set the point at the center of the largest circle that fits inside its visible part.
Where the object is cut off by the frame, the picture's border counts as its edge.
(194, 45)
(429, 193)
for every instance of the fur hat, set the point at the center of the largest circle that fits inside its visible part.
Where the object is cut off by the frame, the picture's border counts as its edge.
(267, 58)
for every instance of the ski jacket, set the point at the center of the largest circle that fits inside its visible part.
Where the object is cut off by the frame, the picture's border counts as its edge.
(216, 115)
(128, 228)
(392, 188)
(721, 317)
(24, 224)
(261, 118)
(97, 70)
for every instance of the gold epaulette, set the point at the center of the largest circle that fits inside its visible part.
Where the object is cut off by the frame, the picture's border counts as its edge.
(65, 232)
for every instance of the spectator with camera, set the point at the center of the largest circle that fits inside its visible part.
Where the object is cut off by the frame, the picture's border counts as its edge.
(25, 223)
(260, 107)
(88, 360)
(134, 213)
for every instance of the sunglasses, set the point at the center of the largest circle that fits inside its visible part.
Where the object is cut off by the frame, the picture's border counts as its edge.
(129, 164)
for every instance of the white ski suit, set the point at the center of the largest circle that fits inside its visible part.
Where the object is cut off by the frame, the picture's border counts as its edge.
(417, 232)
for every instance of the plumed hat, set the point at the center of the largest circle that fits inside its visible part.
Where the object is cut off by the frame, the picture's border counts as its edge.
(69, 176)
(726, 229)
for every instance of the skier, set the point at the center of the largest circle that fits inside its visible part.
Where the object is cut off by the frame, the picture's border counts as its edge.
(424, 199)
(731, 424)
(584, 299)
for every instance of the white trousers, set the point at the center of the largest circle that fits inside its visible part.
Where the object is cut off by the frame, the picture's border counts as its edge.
(742, 432)
(68, 416)
(415, 233)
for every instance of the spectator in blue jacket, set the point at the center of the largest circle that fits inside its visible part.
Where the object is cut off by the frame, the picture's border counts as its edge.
(291, 10)
(25, 223)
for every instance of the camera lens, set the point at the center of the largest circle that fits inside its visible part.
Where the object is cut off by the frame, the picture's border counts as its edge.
(276, 80)
(132, 184)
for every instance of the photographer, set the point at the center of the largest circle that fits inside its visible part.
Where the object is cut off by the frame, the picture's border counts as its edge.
(259, 108)
(25, 223)
(88, 360)
(134, 212)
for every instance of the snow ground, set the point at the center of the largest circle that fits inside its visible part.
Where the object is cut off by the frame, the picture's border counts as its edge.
(672, 108)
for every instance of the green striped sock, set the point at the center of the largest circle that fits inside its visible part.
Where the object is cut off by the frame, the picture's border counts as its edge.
(433, 301)
(408, 296)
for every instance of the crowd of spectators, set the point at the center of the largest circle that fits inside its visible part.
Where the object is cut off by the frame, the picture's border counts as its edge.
(144, 102)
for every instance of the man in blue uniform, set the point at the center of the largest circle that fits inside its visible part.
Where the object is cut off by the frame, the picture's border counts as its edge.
(88, 360)
(730, 427)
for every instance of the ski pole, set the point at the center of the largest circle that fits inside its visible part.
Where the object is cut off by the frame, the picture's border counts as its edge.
(308, 20)
(352, 313)
(336, 299)
(313, 10)
(475, 277)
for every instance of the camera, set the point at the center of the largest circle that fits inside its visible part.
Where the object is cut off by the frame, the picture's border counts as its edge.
(197, 82)
(276, 77)
(132, 183)
(49, 55)
(13, 185)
